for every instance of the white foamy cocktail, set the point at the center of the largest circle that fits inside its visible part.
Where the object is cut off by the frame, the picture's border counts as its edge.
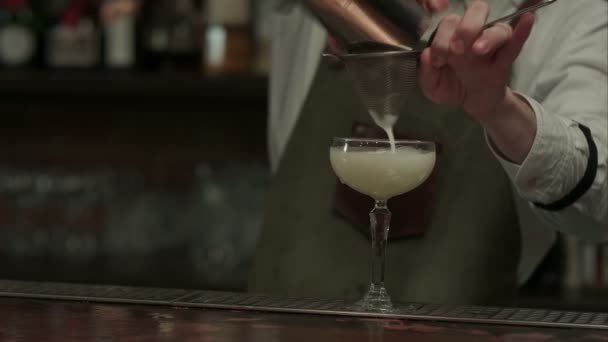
(381, 173)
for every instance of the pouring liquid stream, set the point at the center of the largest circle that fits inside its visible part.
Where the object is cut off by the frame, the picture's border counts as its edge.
(386, 122)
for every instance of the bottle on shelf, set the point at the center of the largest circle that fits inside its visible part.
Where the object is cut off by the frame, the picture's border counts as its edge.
(118, 19)
(170, 34)
(187, 34)
(229, 42)
(74, 41)
(19, 34)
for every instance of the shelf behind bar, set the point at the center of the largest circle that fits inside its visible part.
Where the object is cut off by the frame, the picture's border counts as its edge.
(36, 85)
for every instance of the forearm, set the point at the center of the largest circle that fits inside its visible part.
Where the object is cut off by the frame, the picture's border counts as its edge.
(512, 128)
(555, 161)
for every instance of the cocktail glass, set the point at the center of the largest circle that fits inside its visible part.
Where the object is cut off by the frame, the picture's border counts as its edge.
(374, 168)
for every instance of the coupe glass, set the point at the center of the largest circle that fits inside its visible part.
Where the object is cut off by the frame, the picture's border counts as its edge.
(374, 168)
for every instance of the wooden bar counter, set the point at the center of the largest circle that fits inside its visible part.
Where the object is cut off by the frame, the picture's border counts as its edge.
(86, 315)
(47, 320)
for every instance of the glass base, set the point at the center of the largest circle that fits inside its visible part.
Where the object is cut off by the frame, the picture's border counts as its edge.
(376, 300)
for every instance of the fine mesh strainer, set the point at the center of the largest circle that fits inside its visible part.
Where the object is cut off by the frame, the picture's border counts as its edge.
(384, 75)
(383, 80)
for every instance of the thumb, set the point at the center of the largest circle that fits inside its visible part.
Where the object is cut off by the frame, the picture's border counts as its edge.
(509, 53)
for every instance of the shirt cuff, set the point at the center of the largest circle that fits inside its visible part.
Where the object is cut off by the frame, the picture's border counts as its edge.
(554, 165)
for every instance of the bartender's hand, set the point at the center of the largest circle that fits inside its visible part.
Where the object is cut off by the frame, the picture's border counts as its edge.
(433, 6)
(471, 68)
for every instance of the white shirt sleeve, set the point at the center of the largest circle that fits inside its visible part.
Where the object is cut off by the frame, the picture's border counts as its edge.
(297, 43)
(569, 87)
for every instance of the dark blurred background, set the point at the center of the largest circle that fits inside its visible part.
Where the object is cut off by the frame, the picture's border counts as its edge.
(132, 140)
(133, 148)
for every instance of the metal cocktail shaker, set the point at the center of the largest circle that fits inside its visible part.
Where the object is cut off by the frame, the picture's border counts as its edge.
(359, 23)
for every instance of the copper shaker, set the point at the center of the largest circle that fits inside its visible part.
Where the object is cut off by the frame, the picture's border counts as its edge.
(358, 25)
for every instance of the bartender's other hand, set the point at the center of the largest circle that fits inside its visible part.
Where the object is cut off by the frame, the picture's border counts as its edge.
(469, 67)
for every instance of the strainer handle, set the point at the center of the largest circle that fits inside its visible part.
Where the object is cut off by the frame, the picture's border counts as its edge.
(514, 15)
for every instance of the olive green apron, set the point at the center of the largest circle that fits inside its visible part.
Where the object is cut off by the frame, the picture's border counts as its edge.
(468, 253)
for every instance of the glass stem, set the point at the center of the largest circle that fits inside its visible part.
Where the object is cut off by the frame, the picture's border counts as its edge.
(380, 218)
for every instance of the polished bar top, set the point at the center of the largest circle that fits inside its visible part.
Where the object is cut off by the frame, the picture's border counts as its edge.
(51, 320)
